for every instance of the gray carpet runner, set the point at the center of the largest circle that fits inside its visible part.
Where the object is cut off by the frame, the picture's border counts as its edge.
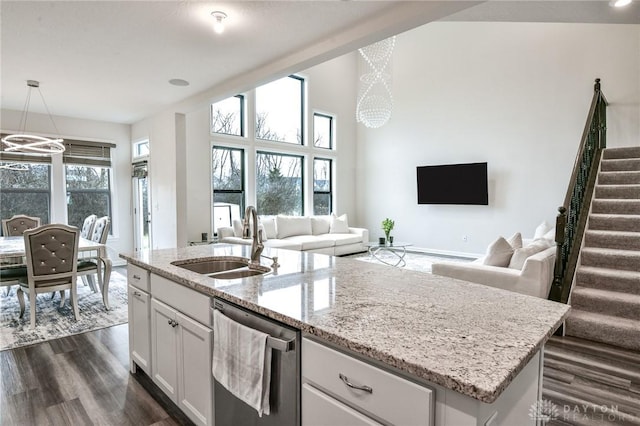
(606, 295)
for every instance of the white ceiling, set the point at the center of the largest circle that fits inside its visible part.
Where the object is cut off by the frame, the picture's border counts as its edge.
(112, 60)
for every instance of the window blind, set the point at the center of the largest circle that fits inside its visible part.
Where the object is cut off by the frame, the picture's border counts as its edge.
(87, 153)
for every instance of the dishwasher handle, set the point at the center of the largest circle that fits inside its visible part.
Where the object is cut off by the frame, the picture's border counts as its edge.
(272, 342)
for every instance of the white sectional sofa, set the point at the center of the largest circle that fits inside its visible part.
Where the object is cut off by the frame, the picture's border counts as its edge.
(318, 234)
(524, 268)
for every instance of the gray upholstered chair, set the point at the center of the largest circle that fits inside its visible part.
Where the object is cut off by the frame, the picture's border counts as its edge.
(12, 267)
(17, 224)
(94, 266)
(52, 262)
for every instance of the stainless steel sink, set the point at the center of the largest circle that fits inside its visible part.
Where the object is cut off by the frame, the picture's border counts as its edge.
(223, 267)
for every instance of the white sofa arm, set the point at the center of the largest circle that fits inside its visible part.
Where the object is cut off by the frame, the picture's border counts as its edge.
(492, 276)
(537, 272)
(225, 232)
(363, 232)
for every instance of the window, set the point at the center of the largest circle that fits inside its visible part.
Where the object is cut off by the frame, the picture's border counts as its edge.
(279, 110)
(322, 131)
(279, 184)
(227, 116)
(141, 149)
(88, 192)
(228, 183)
(26, 189)
(322, 186)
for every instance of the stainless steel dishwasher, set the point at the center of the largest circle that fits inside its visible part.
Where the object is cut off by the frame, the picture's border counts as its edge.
(284, 397)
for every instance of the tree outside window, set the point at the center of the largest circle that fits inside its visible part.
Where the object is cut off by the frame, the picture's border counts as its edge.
(279, 113)
(25, 190)
(88, 192)
(321, 186)
(227, 178)
(279, 184)
(227, 116)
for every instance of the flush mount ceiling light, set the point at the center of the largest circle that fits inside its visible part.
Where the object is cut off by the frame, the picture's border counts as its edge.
(25, 142)
(178, 82)
(620, 3)
(218, 23)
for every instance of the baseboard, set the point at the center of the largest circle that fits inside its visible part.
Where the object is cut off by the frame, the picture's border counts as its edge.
(449, 253)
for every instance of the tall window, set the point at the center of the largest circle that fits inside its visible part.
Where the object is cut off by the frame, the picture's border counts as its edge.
(227, 116)
(25, 189)
(279, 184)
(88, 192)
(322, 131)
(228, 182)
(279, 110)
(322, 186)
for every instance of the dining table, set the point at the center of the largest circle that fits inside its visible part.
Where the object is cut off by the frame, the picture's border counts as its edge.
(12, 247)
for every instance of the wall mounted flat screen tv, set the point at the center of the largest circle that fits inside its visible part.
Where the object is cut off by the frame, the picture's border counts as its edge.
(453, 184)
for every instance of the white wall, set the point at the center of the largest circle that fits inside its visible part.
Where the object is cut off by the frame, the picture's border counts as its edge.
(513, 94)
(73, 128)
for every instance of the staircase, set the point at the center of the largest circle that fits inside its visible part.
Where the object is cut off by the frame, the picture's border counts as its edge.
(606, 296)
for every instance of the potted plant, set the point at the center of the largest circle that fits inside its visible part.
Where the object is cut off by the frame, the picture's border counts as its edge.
(387, 226)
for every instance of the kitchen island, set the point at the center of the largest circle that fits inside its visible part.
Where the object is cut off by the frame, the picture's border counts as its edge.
(447, 334)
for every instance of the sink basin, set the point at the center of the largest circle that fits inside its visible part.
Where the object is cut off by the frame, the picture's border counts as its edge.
(223, 267)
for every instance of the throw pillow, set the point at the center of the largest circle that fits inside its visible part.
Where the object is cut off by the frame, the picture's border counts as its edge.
(263, 231)
(269, 224)
(522, 254)
(542, 229)
(498, 253)
(237, 227)
(515, 241)
(320, 225)
(339, 224)
(289, 226)
(551, 235)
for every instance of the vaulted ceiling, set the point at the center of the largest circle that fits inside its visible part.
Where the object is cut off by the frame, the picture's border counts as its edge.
(112, 60)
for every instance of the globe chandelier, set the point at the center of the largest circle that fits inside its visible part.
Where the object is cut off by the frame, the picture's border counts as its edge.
(375, 100)
(29, 143)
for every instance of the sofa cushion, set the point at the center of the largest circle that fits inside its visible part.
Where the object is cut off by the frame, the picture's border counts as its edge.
(515, 240)
(520, 255)
(237, 227)
(339, 224)
(288, 226)
(269, 224)
(283, 244)
(498, 253)
(341, 239)
(320, 224)
(310, 242)
(541, 230)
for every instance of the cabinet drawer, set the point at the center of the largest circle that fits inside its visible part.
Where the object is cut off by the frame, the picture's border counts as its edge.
(393, 399)
(138, 277)
(319, 409)
(190, 302)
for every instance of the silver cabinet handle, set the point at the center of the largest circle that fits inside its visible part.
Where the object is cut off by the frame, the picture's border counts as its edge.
(136, 277)
(346, 381)
(137, 293)
(172, 323)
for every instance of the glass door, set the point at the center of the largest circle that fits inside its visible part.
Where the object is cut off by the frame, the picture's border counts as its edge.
(141, 207)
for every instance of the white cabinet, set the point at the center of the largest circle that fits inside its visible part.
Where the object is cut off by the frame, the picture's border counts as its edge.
(354, 392)
(181, 349)
(139, 319)
(139, 330)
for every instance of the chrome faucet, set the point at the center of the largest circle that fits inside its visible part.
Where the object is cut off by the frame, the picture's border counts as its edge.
(251, 213)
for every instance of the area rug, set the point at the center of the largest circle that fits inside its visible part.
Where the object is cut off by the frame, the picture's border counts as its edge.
(414, 261)
(53, 322)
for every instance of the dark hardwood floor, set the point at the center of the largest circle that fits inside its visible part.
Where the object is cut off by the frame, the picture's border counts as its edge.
(80, 380)
(591, 383)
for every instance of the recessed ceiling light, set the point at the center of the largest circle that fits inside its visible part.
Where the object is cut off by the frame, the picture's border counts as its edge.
(620, 3)
(178, 82)
(218, 23)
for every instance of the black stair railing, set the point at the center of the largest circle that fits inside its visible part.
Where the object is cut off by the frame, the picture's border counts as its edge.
(572, 216)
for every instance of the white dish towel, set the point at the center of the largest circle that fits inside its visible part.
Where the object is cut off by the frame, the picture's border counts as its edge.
(242, 361)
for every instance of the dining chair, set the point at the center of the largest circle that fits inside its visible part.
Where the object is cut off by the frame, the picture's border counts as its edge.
(87, 226)
(17, 224)
(52, 263)
(93, 266)
(13, 268)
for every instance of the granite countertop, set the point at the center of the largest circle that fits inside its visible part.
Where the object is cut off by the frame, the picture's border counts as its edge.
(467, 337)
